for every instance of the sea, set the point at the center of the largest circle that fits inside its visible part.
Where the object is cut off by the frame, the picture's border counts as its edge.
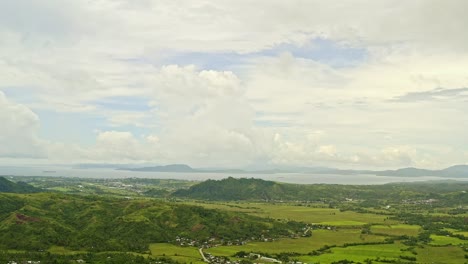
(299, 178)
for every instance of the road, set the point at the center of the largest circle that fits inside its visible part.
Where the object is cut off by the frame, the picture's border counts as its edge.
(203, 255)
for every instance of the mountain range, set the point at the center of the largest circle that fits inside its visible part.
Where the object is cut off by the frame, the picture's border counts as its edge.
(457, 171)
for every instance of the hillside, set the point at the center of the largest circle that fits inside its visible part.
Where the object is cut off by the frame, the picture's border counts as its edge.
(234, 189)
(231, 189)
(16, 187)
(103, 224)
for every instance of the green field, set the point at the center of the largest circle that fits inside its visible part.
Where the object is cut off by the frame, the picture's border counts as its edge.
(63, 250)
(441, 255)
(304, 245)
(396, 230)
(360, 253)
(457, 232)
(447, 240)
(181, 254)
(327, 216)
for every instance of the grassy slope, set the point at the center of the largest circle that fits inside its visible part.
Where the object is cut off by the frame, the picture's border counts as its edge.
(16, 187)
(93, 223)
(306, 214)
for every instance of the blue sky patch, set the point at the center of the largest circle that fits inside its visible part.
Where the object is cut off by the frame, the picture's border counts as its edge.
(77, 128)
(124, 103)
(324, 51)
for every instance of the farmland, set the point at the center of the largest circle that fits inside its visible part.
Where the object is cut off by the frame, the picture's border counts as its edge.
(142, 221)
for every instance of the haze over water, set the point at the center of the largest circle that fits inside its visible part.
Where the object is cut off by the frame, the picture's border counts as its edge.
(300, 178)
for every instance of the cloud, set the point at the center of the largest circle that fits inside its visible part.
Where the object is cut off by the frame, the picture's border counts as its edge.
(110, 146)
(106, 60)
(205, 117)
(438, 94)
(18, 135)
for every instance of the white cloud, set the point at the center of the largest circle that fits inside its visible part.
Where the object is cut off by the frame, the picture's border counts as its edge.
(205, 117)
(18, 135)
(67, 56)
(110, 146)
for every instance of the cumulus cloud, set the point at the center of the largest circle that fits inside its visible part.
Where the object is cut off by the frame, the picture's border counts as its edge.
(67, 57)
(205, 117)
(18, 135)
(110, 146)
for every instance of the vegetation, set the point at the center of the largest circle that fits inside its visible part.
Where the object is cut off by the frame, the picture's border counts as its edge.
(231, 189)
(16, 187)
(97, 258)
(107, 224)
(240, 220)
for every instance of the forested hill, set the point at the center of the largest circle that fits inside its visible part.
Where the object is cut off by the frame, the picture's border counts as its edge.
(232, 189)
(16, 187)
(115, 224)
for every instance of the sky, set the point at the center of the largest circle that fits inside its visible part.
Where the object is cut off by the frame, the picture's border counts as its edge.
(265, 83)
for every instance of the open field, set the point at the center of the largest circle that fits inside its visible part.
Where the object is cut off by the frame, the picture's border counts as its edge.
(396, 230)
(447, 240)
(304, 245)
(327, 216)
(62, 250)
(360, 253)
(457, 232)
(441, 255)
(181, 254)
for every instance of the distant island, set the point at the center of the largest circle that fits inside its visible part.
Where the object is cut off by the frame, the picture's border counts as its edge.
(457, 171)
(183, 168)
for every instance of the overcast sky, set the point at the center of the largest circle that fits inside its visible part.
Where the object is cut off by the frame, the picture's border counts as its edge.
(350, 84)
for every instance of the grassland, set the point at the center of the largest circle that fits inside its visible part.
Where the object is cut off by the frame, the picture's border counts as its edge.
(396, 230)
(326, 216)
(446, 240)
(180, 254)
(303, 245)
(360, 253)
(457, 232)
(441, 255)
(63, 250)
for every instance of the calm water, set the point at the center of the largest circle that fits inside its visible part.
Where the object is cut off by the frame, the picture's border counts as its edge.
(280, 177)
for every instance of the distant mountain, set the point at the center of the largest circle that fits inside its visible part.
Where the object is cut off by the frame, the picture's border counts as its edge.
(16, 187)
(186, 168)
(458, 171)
(182, 168)
(167, 168)
(101, 166)
(411, 172)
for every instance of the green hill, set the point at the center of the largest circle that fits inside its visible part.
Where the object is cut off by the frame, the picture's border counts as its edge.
(235, 189)
(103, 224)
(16, 187)
(231, 189)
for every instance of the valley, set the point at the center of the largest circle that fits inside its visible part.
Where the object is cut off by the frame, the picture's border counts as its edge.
(137, 220)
